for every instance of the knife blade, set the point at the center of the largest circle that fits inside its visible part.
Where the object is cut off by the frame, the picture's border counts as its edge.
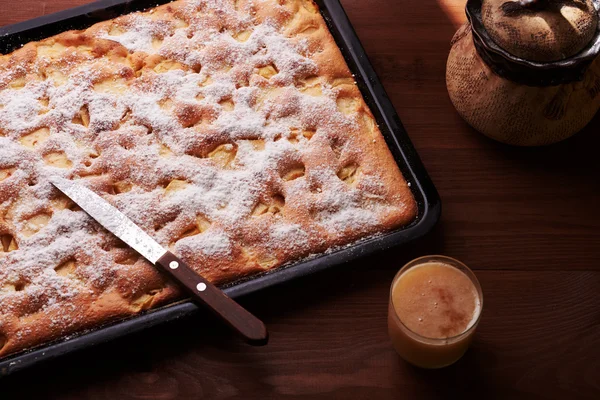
(201, 290)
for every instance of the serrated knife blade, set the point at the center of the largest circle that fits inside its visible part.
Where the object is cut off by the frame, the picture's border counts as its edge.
(112, 219)
(201, 290)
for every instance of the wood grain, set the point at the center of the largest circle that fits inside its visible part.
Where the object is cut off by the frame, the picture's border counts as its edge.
(526, 219)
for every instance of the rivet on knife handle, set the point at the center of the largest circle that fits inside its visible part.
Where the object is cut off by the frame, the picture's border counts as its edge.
(206, 293)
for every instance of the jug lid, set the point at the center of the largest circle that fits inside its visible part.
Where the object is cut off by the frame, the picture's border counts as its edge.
(526, 71)
(540, 30)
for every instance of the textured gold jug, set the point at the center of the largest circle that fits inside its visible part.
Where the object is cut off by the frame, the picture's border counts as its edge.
(526, 72)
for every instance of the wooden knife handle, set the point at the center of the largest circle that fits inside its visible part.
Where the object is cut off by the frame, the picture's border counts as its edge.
(205, 293)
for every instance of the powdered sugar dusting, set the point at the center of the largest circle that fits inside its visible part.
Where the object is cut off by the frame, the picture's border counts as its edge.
(291, 234)
(211, 245)
(215, 133)
(141, 33)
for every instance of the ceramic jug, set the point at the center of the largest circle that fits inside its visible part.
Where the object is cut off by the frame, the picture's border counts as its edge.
(526, 72)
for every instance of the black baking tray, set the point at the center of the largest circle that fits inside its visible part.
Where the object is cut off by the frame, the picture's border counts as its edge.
(429, 205)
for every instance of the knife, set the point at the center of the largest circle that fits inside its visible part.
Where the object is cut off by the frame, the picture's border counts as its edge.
(201, 290)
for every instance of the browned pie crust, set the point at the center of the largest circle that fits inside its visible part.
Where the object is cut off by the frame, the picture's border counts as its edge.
(232, 131)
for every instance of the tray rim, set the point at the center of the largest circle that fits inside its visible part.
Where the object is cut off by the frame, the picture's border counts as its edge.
(392, 129)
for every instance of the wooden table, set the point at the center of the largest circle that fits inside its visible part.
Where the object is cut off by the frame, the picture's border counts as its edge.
(526, 220)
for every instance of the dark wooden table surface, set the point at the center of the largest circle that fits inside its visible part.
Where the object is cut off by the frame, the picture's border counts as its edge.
(526, 220)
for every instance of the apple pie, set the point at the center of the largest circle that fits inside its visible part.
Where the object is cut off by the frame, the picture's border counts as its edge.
(230, 130)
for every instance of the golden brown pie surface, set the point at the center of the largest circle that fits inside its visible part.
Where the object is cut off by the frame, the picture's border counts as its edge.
(231, 131)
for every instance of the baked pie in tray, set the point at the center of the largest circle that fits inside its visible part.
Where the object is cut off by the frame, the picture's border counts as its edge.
(232, 131)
